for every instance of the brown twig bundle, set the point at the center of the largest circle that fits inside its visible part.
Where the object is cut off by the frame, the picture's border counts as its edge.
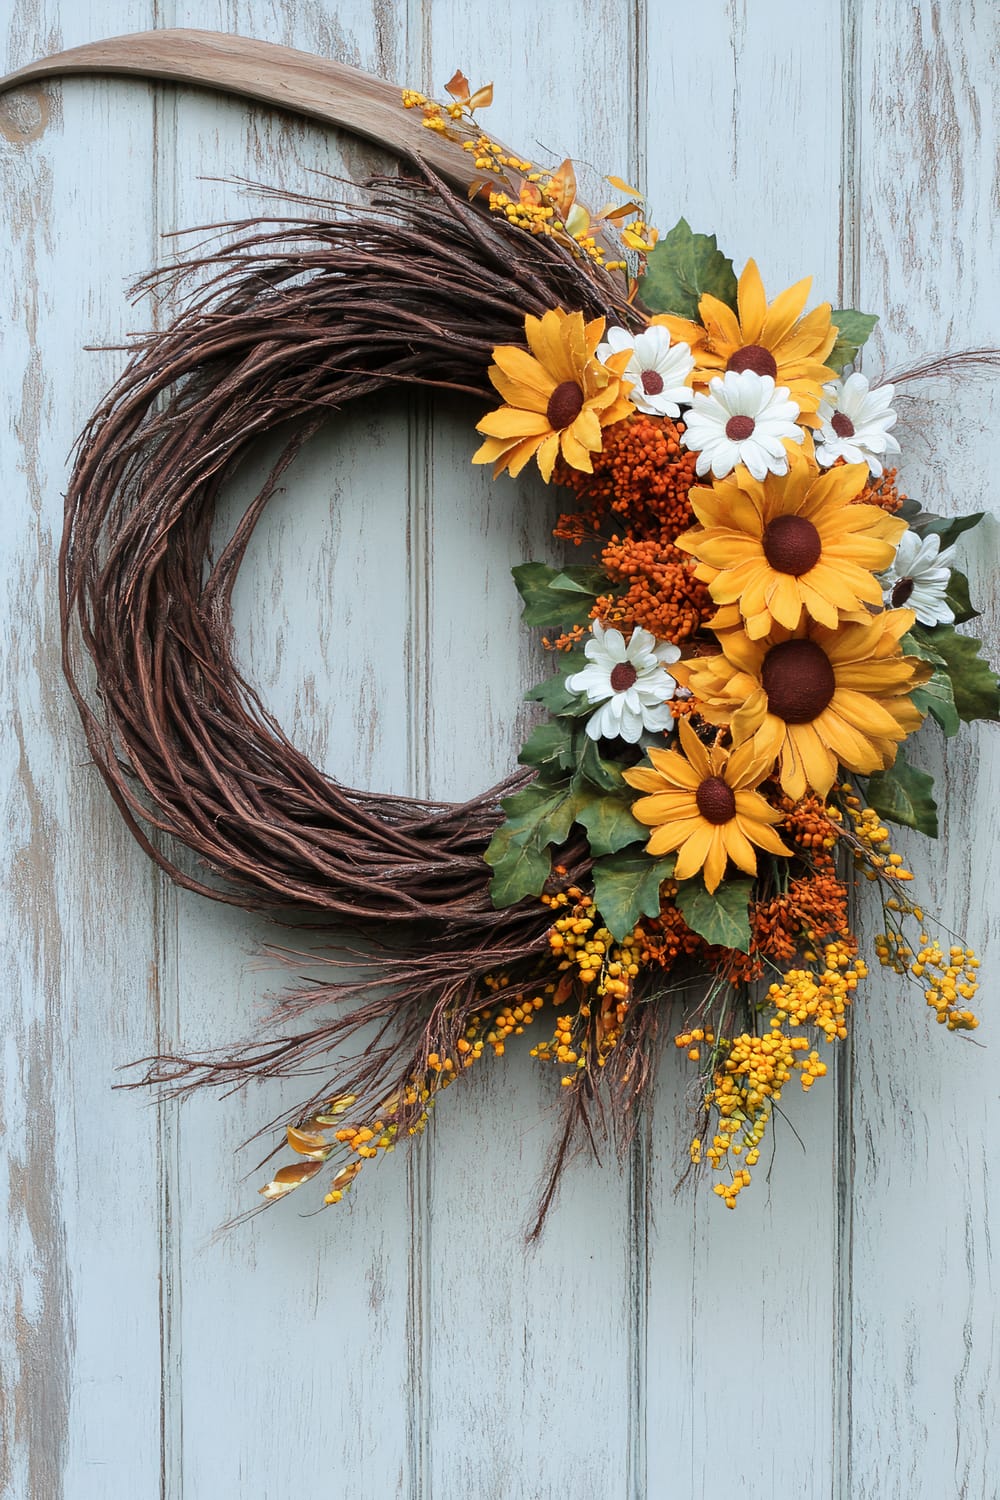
(298, 318)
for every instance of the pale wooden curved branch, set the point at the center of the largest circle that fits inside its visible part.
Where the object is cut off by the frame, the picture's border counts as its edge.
(317, 87)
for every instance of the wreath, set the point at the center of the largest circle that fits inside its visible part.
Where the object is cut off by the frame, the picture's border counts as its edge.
(759, 620)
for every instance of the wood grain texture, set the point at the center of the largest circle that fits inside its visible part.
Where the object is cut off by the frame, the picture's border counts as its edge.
(79, 1410)
(925, 1349)
(407, 1344)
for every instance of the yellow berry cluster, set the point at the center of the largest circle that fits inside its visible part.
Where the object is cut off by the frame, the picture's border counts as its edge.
(490, 156)
(874, 854)
(948, 979)
(805, 998)
(588, 950)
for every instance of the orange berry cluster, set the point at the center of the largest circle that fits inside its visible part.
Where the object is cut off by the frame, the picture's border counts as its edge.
(642, 476)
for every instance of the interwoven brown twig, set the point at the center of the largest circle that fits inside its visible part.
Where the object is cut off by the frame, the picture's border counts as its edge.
(298, 318)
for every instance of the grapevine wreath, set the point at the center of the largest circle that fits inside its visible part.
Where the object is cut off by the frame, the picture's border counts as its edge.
(755, 621)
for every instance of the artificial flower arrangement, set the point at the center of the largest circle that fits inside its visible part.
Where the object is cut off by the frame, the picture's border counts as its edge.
(760, 622)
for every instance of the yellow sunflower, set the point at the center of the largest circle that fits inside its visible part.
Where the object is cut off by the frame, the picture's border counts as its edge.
(769, 549)
(703, 804)
(559, 397)
(779, 340)
(813, 698)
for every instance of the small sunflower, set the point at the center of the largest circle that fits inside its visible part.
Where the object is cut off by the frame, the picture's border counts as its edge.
(559, 397)
(780, 340)
(769, 549)
(704, 805)
(814, 699)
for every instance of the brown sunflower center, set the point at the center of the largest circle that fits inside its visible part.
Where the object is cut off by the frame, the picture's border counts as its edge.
(901, 592)
(798, 680)
(753, 357)
(739, 428)
(791, 545)
(715, 800)
(652, 382)
(565, 405)
(623, 674)
(842, 424)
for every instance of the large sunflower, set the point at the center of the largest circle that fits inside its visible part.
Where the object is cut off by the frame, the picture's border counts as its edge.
(559, 397)
(704, 806)
(779, 340)
(814, 698)
(769, 549)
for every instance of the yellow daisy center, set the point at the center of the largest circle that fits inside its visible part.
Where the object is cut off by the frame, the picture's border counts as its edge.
(792, 545)
(799, 681)
(753, 357)
(716, 801)
(565, 404)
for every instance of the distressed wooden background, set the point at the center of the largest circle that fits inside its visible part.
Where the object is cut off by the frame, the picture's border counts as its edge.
(834, 1336)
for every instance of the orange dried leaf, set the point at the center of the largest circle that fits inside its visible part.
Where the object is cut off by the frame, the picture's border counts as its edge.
(458, 87)
(308, 1143)
(287, 1179)
(482, 97)
(623, 187)
(623, 212)
(561, 187)
(347, 1174)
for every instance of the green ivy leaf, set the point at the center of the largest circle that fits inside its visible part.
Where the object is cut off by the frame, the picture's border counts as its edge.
(957, 598)
(853, 331)
(973, 680)
(681, 268)
(926, 523)
(549, 745)
(539, 815)
(627, 887)
(916, 642)
(722, 916)
(610, 825)
(582, 580)
(554, 693)
(904, 795)
(545, 604)
(603, 774)
(937, 698)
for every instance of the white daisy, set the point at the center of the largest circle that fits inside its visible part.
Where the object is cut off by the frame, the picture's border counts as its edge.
(658, 369)
(918, 579)
(628, 681)
(855, 422)
(744, 420)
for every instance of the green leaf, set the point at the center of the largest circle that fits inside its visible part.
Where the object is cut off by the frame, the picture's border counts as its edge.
(627, 887)
(592, 767)
(610, 825)
(554, 693)
(937, 698)
(582, 580)
(549, 745)
(904, 795)
(973, 680)
(853, 331)
(546, 605)
(682, 268)
(926, 523)
(520, 864)
(722, 916)
(916, 642)
(539, 815)
(957, 598)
